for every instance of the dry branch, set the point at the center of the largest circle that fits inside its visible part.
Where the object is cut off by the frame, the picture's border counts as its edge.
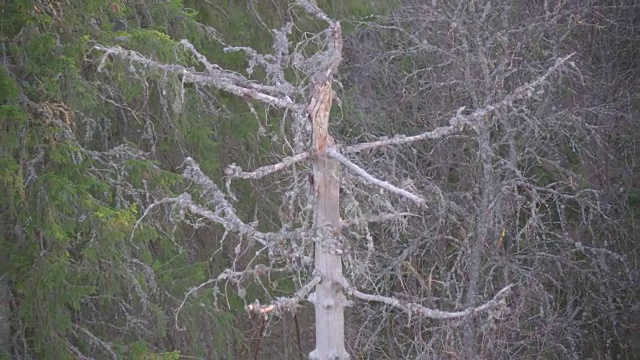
(96, 341)
(226, 275)
(378, 218)
(278, 96)
(224, 214)
(459, 121)
(284, 303)
(235, 171)
(366, 176)
(417, 309)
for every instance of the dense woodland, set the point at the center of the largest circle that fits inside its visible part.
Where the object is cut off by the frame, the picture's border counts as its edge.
(537, 190)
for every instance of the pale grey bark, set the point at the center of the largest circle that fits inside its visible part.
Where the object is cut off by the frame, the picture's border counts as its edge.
(328, 298)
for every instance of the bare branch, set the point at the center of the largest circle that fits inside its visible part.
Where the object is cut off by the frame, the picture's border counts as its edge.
(282, 88)
(413, 308)
(224, 214)
(235, 171)
(97, 341)
(458, 122)
(363, 174)
(211, 68)
(274, 64)
(313, 9)
(284, 303)
(79, 355)
(378, 218)
(226, 275)
(224, 80)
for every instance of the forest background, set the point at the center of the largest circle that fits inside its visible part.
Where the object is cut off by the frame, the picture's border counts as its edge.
(551, 205)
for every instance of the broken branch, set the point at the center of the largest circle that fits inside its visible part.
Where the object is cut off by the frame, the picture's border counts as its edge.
(284, 303)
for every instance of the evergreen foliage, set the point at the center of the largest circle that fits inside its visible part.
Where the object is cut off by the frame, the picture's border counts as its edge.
(83, 153)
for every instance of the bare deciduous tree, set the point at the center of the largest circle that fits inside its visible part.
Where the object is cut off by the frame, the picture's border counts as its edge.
(512, 200)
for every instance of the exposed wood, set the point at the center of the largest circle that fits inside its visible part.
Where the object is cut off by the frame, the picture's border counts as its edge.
(328, 297)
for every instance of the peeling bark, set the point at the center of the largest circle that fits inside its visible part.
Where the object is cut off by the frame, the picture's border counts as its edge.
(328, 298)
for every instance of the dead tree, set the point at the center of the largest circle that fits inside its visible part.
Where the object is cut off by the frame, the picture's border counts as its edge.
(309, 105)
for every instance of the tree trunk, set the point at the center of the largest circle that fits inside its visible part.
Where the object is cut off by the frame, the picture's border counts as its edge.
(5, 311)
(484, 219)
(328, 298)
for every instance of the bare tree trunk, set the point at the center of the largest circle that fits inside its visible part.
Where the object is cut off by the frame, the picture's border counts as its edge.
(483, 221)
(5, 312)
(328, 298)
